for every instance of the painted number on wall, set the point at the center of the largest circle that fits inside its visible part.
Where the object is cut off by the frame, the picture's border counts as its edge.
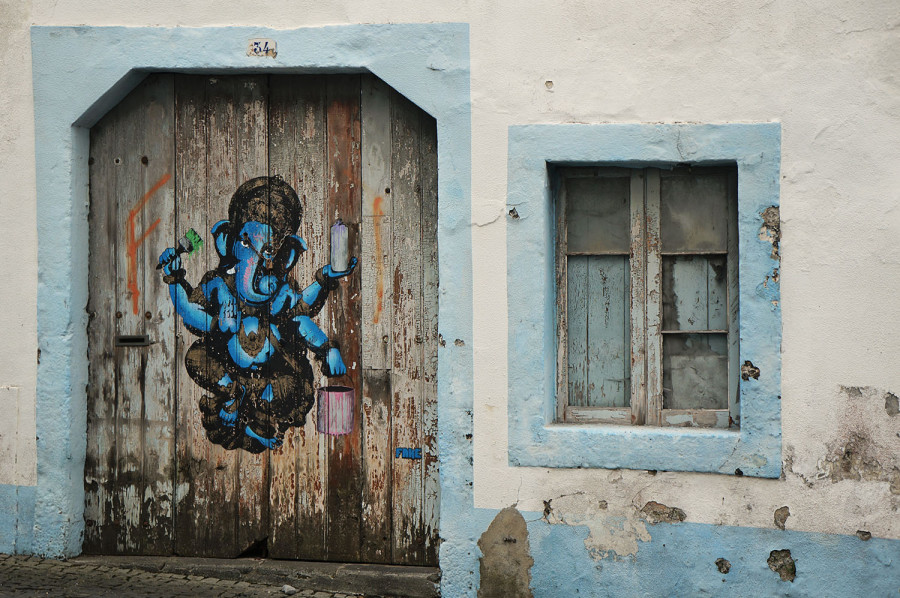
(407, 453)
(262, 47)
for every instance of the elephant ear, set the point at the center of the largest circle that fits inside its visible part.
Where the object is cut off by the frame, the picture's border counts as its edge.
(290, 251)
(221, 232)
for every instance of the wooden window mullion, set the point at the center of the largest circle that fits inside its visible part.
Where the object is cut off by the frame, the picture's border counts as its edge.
(638, 301)
(653, 300)
(562, 349)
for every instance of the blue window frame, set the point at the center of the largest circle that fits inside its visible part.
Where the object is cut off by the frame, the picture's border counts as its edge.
(538, 436)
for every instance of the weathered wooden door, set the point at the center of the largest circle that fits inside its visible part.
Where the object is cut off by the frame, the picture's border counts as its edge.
(168, 159)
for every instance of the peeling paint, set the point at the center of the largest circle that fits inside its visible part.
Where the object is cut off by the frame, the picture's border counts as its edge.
(771, 229)
(781, 562)
(613, 532)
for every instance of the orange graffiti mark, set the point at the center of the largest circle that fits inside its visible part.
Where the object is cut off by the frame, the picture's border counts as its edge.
(379, 262)
(133, 244)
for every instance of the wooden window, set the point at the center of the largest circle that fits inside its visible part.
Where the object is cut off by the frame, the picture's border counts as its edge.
(647, 306)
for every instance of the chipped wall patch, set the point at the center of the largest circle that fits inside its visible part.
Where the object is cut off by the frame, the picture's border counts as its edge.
(770, 231)
(613, 532)
(781, 515)
(506, 557)
(782, 563)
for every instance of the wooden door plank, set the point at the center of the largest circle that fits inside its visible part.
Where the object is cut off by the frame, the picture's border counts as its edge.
(431, 483)
(298, 469)
(407, 375)
(237, 153)
(377, 315)
(201, 501)
(157, 160)
(250, 96)
(376, 211)
(100, 471)
(131, 361)
(343, 503)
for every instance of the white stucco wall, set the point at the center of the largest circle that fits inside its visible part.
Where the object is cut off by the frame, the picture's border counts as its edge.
(826, 70)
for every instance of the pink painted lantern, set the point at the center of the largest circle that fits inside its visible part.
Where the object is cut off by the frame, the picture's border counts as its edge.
(335, 413)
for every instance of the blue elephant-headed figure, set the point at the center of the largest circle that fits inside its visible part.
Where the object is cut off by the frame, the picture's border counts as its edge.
(254, 322)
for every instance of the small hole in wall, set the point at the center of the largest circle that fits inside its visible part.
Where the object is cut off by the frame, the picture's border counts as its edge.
(117, 160)
(144, 160)
(738, 472)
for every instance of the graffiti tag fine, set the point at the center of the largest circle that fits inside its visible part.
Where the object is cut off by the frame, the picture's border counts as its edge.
(407, 453)
(133, 244)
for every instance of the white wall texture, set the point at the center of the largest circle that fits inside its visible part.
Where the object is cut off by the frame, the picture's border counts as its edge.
(827, 70)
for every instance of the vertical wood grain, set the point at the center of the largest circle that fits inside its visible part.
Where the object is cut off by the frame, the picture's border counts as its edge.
(100, 470)
(407, 376)
(577, 331)
(297, 149)
(431, 483)
(157, 159)
(205, 502)
(344, 505)
(608, 353)
(376, 324)
(653, 298)
(639, 282)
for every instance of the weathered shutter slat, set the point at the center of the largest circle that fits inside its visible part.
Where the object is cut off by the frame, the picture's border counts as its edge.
(608, 353)
(577, 314)
(343, 528)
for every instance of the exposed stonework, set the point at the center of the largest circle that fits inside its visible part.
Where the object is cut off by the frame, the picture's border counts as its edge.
(655, 512)
(781, 515)
(506, 559)
(891, 404)
(781, 562)
(723, 566)
(771, 229)
(748, 370)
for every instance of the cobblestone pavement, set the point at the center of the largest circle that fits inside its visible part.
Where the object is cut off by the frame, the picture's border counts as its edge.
(33, 576)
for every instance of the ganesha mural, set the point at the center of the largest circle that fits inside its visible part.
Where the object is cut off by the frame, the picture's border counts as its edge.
(254, 322)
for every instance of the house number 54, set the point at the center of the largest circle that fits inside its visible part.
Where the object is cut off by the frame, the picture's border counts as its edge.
(262, 47)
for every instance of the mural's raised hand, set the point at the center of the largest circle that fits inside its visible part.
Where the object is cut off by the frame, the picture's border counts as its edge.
(170, 261)
(328, 272)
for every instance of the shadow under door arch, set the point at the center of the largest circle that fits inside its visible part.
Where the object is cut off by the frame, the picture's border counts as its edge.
(168, 159)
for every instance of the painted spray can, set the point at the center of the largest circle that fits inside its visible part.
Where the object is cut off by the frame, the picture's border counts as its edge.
(335, 411)
(340, 247)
